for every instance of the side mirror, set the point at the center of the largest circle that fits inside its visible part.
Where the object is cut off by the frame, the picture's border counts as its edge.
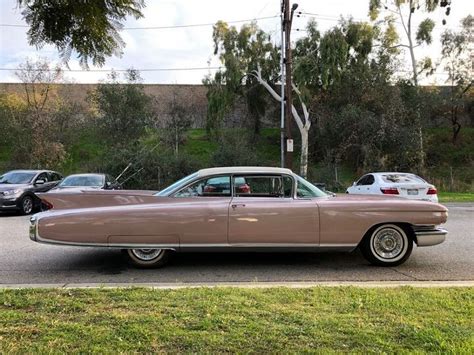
(39, 182)
(354, 183)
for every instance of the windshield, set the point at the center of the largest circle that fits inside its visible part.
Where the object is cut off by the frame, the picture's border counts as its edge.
(176, 185)
(402, 178)
(17, 178)
(305, 189)
(83, 180)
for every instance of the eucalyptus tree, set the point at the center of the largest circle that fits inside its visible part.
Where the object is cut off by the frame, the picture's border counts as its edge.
(91, 28)
(123, 110)
(405, 12)
(457, 50)
(345, 75)
(240, 52)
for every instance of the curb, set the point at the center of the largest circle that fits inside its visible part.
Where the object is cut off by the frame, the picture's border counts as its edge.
(174, 286)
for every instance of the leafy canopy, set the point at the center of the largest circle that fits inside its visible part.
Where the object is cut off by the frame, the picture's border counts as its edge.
(89, 27)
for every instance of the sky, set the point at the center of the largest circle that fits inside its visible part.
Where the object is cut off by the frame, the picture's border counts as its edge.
(192, 47)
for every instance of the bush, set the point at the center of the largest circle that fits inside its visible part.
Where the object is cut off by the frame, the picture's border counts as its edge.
(235, 149)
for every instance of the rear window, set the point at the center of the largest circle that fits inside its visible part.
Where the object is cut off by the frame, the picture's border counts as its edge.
(402, 178)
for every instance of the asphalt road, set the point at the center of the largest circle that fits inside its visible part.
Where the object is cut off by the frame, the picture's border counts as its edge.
(25, 262)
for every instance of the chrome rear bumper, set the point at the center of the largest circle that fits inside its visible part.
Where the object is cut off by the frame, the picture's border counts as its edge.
(426, 236)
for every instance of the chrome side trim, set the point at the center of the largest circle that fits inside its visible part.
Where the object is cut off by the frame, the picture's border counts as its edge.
(200, 247)
(425, 238)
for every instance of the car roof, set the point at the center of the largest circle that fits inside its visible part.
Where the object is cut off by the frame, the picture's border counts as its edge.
(243, 170)
(86, 174)
(392, 173)
(30, 171)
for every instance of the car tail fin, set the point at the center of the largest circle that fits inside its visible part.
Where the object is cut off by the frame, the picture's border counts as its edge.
(92, 199)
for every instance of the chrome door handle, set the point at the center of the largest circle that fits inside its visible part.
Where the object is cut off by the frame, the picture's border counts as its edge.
(237, 205)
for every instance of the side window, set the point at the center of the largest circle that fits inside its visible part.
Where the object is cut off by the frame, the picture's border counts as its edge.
(369, 180)
(55, 177)
(262, 186)
(43, 176)
(362, 180)
(209, 187)
(304, 191)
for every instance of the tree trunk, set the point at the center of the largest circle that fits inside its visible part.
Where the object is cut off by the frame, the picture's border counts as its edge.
(456, 125)
(304, 153)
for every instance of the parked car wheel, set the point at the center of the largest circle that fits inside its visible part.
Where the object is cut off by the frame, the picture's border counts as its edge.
(387, 245)
(148, 258)
(27, 205)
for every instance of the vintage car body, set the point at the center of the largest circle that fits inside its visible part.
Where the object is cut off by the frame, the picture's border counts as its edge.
(235, 221)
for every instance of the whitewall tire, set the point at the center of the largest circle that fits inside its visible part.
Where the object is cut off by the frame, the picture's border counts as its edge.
(148, 258)
(387, 245)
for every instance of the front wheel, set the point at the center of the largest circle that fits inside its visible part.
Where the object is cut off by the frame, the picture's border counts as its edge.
(387, 245)
(148, 258)
(26, 205)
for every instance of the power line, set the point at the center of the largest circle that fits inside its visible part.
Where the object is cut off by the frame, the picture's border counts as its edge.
(165, 27)
(115, 70)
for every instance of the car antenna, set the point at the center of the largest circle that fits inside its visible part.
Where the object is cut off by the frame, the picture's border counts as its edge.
(128, 178)
(123, 172)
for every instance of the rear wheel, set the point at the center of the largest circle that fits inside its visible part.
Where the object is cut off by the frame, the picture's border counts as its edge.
(387, 245)
(148, 258)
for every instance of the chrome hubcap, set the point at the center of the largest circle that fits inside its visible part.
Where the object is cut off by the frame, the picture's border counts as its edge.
(147, 254)
(27, 205)
(388, 243)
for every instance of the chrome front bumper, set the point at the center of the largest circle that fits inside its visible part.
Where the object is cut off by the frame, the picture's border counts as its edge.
(426, 236)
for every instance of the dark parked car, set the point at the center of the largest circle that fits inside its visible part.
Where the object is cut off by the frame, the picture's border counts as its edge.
(80, 182)
(18, 188)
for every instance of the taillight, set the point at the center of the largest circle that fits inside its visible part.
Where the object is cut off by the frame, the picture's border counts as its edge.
(209, 188)
(243, 189)
(45, 205)
(389, 190)
(432, 191)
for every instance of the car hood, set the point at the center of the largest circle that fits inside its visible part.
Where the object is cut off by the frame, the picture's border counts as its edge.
(6, 187)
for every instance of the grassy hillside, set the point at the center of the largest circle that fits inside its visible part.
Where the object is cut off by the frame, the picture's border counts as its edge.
(450, 167)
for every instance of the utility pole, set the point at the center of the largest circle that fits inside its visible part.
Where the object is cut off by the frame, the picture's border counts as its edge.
(288, 18)
(282, 86)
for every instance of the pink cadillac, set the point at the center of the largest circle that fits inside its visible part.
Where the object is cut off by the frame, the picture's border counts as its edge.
(239, 209)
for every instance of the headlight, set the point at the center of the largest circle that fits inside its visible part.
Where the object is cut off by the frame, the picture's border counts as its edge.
(12, 192)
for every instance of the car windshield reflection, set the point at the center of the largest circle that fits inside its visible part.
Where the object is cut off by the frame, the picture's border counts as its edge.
(16, 178)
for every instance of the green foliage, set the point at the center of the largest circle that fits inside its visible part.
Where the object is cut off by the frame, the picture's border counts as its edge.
(150, 169)
(424, 31)
(321, 61)
(405, 10)
(457, 59)
(124, 110)
(235, 149)
(177, 122)
(241, 53)
(37, 118)
(91, 28)
(219, 102)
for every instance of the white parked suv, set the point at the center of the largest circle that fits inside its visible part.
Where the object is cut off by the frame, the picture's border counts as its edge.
(398, 184)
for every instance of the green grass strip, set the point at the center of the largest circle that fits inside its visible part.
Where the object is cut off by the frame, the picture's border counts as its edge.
(320, 319)
(456, 197)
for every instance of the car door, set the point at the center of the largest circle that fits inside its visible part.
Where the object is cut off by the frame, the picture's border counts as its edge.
(363, 185)
(42, 187)
(367, 188)
(200, 212)
(264, 213)
(54, 179)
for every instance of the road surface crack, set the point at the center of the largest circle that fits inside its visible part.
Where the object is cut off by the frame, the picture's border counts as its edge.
(405, 274)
